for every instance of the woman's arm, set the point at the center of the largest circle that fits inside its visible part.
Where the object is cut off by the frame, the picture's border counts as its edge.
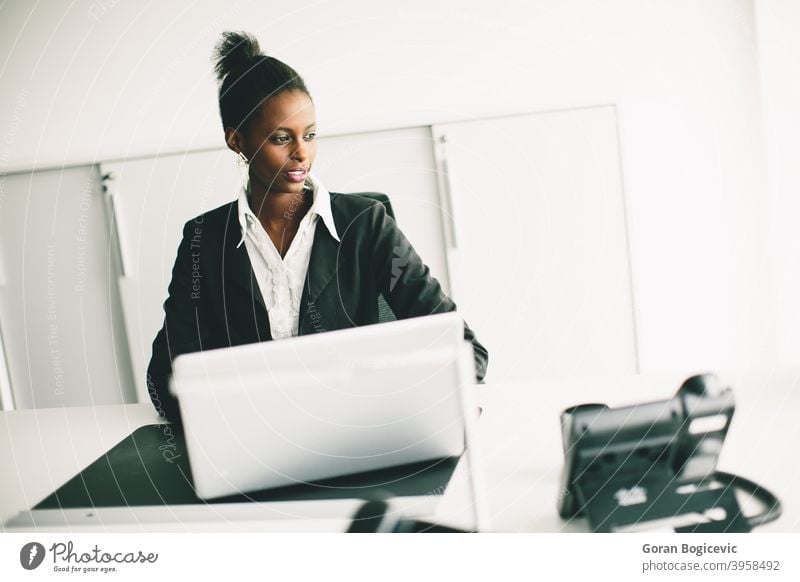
(406, 283)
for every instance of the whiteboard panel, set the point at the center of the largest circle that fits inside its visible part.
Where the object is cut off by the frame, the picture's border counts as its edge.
(399, 163)
(62, 322)
(541, 269)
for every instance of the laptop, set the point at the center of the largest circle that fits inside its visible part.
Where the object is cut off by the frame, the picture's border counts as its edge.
(383, 397)
(310, 408)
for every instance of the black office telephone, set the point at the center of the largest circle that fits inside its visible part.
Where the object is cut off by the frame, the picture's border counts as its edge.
(655, 463)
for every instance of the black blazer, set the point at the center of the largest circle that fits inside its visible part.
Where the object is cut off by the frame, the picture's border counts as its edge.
(214, 300)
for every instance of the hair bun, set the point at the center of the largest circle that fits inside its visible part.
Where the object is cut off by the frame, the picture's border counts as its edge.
(234, 50)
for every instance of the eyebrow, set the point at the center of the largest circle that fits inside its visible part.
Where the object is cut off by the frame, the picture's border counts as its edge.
(290, 129)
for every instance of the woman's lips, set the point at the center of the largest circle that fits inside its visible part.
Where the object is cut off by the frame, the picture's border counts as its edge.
(296, 175)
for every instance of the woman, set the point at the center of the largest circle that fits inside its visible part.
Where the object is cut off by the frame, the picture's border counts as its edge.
(288, 257)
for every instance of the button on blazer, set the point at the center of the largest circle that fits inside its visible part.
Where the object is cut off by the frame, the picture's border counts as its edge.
(214, 300)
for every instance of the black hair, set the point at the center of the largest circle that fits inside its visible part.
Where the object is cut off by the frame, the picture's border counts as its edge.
(248, 78)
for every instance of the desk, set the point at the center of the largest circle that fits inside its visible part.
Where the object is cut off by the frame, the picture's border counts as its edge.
(41, 449)
(520, 440)
(519, 443)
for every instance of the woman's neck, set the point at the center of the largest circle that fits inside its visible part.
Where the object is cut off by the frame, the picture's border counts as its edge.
(278, 211)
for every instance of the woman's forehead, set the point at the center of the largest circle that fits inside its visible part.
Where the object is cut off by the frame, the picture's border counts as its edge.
(290, 109)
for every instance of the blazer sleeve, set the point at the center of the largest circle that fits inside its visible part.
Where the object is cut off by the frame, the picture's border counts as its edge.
(406, 283)
(179, 333)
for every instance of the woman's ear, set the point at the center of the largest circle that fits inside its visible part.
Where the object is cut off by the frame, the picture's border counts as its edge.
(234, 140)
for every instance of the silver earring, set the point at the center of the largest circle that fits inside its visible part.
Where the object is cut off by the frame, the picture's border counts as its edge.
(243, 168)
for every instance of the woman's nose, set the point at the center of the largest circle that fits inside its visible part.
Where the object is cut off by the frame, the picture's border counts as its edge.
(300, 152)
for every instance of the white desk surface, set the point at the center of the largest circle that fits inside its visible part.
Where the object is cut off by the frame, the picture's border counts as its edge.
(41, 449)
(518, 436)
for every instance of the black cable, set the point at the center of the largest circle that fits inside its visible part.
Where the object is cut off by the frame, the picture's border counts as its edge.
(762, 494)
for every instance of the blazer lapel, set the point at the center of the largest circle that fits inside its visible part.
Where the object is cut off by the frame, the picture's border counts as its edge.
(239, 280)
(322, 268)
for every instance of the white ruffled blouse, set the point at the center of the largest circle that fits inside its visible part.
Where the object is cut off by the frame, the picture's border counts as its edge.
(281, 280)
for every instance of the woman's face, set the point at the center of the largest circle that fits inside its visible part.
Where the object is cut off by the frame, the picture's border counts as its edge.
(280, 142)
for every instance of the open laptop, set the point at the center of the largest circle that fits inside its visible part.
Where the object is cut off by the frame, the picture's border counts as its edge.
(315, 407)
(385, 395)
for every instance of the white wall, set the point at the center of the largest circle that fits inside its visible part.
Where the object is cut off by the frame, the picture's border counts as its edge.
(778, 23)
(134, 79)
(124, 78)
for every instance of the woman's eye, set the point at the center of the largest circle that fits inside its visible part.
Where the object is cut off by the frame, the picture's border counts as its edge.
(311, 136)
(281, 139)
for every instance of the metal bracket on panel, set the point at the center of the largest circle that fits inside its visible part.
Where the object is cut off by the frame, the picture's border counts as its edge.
(448, 210)
(446, 191)
(6, 393)
(112, 209)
